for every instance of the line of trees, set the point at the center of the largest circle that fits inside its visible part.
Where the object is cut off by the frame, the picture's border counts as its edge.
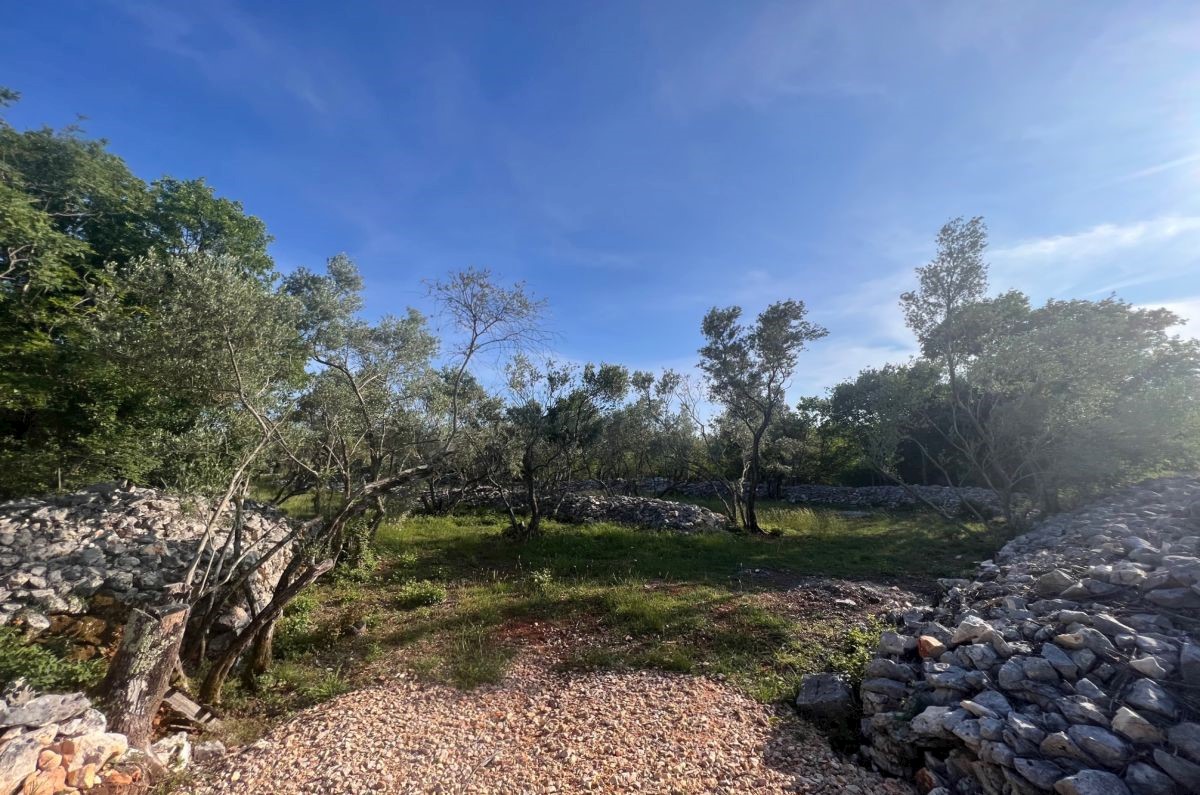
(146, 334)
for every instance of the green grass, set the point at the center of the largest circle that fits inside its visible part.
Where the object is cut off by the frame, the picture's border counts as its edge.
(454, 601)
(882, 545)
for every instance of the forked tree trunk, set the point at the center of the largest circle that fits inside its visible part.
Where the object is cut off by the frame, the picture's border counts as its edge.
(261, 654)
(210, 689)
(140, 672)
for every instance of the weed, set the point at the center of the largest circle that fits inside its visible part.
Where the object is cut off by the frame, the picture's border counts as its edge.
(43, 667)
(476, 658)
(297, 632)
(541, 580)
(419, 593)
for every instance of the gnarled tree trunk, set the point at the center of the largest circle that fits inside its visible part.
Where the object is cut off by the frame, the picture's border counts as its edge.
(140, 672)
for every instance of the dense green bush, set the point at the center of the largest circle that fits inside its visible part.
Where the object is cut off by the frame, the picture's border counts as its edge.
(419, 593)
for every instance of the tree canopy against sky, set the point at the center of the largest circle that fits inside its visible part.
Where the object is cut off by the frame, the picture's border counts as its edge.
(705, 153)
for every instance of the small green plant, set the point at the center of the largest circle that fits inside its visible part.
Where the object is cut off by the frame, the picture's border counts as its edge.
(357, 619)
(860, 642)
(361, 560)
(419, 593)
(328, 684)
(297, 631)
(42, 667)
(311, 684)
(476, 658)
(541, 580)
(668, 658)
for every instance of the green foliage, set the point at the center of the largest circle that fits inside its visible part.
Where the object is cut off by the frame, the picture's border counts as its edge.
(1036, 403)
(681, 603)
(361, 562)
(298, 631)
(541, 581)
(476, 658)
(419, 593)
(748, 371)
(41, 667)
(74, 220)
(310, 684)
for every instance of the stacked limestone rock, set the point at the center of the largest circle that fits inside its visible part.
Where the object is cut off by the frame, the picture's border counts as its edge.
(58, 553)
(640, 511)
(50, 743)
(576, 507)
(952, 499)
(1069, 664)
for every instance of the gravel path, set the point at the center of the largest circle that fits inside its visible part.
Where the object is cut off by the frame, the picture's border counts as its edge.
(540, 731)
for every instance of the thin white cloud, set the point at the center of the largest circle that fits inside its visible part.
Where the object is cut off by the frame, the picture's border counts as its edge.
(1100, 239)
(1100, 259)
(781, 50)
(1186, 308)
(778, 50)
(232, 50)
(1159, 168)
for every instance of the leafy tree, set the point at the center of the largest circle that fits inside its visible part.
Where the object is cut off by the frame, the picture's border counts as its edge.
(555, 413)
(1075, 396)
(186, 217)
(1031, 402)
(956, 277)
(748, 370)
(404, 420)
(72, 218)
(644, 436)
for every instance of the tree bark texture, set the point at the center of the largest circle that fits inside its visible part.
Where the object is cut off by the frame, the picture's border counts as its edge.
(140, 672)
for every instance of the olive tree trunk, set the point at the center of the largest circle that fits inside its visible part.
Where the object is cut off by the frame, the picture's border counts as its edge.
(140, 673)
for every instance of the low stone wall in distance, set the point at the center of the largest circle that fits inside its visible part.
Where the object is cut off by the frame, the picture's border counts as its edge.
(948, 498)
(578, 507)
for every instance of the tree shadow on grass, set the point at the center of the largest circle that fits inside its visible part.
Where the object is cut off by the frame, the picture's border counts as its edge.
(874, 549)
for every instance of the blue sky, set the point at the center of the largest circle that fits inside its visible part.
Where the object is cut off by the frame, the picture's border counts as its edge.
(637, 163)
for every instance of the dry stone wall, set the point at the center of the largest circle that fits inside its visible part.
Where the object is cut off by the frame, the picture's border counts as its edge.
(58, 554)
(952, 499)
(578, 507)
(1069, 664)
(57, 742)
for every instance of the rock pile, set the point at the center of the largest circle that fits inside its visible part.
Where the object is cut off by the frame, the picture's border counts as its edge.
(579, 507)
(1071, 663)
(640, 511)
(57, 554)
(49, 743)
(952, 499)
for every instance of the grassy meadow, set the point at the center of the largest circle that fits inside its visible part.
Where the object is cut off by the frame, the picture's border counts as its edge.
(450, 599)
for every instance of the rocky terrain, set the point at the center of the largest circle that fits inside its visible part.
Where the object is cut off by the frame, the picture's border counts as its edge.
(578, 507)
(59, 743)
(1071, 663)
(595, 501)
(640, 511)
(542, 731)
(951, 499)
(50, 743)
(123, 545)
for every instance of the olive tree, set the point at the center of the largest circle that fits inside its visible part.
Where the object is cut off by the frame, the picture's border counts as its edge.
(748, 371)
(206, 330)
(555, 412)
